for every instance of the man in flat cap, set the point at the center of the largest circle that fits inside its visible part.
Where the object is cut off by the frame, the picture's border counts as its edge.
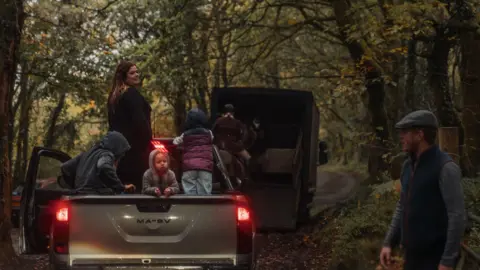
(429, 219)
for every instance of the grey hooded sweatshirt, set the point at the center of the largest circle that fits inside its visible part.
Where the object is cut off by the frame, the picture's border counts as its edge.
(152, 181)
(95, 170)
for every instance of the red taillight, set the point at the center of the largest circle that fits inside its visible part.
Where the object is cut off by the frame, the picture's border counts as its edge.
(61, 248)
(243, 209)
(62, 214)
(160, 146)
(245, 225)
(60, 229)
(243, 214)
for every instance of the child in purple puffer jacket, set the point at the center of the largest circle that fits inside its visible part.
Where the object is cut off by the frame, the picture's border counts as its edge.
(197, 165)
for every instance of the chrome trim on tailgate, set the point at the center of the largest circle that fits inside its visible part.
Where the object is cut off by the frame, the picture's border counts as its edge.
(137, 261)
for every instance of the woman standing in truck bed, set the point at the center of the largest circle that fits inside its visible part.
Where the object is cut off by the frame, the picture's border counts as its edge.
(129, 114)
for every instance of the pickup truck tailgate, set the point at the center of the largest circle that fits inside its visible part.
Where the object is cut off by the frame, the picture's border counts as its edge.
(178, 227)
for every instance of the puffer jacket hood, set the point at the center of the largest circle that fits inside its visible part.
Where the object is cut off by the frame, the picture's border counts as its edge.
(116, 143)
(196, 118)
(151, 160)
(94, 169)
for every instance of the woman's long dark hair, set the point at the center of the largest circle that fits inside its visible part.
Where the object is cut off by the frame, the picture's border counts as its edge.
(118, 85)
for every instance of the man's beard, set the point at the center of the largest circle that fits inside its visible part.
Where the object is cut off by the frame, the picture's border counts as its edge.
(413, 148)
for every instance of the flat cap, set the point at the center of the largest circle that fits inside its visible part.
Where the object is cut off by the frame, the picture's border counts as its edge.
(418, 119)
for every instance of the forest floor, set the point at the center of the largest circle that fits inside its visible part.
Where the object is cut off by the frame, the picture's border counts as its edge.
(297, 250)
(26, 262)
(278, 251)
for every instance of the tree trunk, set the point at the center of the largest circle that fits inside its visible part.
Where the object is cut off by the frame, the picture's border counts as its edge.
(470, 79)
(272, 79)
(394, 92)
(12, 18)
(50, 137)
(448, 142)
(410, 104)
(197, 62)
(394, 109)
(203, 70)
(374, 82)
(221, 65)
(216, 74)
(25, 147)
(10, 129)
(20, 103)
(179, 111)
(22, 139)
(439, 82)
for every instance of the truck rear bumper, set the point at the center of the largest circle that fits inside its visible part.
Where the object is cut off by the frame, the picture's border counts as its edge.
(162, 268)
(172, 267)
(241, 262)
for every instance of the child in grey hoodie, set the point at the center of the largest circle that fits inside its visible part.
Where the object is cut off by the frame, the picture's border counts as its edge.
(159, 179)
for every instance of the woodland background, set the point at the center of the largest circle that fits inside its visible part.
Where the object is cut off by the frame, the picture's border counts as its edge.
(368, 63)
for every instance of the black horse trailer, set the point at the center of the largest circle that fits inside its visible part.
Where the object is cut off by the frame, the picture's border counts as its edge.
(287, 153)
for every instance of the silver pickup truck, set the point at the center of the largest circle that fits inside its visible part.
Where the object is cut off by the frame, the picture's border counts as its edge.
(133, 231)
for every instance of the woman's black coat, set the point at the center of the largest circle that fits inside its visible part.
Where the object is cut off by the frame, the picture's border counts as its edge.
(130, 115)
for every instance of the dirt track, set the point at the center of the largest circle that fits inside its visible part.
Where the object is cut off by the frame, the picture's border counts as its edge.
(296, 250)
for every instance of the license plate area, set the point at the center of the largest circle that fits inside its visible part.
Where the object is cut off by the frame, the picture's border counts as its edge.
(154, 207)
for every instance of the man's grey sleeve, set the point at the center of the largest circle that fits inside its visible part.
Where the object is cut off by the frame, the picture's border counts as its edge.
(452, 192)
(393, 234)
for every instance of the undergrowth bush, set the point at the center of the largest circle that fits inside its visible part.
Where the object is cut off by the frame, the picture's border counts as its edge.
(356, 235)
(471, 187)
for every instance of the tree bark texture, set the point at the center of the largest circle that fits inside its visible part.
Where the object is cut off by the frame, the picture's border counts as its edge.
(448, 142)
(374, 83)
(180, 114)
(470, 85)
(439, 82)
(51, 137)
(411, 70)
(12, 17)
